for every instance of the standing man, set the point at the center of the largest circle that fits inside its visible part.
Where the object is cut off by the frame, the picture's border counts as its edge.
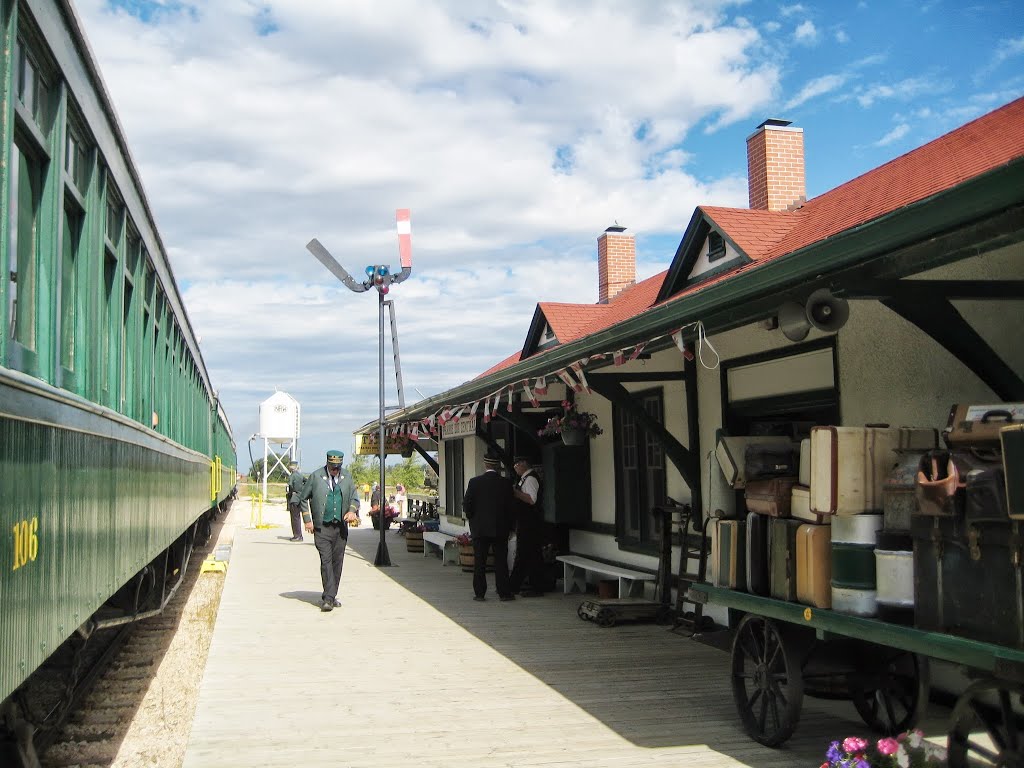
(488, 507)
(529, 566)
(333, 504)
(295, 482)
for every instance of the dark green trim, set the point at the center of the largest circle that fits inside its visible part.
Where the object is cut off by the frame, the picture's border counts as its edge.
(941, 320)
(603, 529)
(928, 290)
(431, 461)
(685, 461)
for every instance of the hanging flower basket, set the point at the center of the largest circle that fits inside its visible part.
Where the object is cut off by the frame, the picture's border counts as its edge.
(574, 427)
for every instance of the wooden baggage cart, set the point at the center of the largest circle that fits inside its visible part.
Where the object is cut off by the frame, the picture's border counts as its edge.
(782, 650)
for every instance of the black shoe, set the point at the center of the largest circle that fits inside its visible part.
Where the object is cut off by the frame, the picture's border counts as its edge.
(506, 598)
(295, 538)
(337, 603)
(326, 605)
(479, 598)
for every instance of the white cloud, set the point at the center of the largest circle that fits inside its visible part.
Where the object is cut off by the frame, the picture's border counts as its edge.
(841, 36)
(817, 87)
(893, 136)
(806, 33)
(791, 10)
(903, 90)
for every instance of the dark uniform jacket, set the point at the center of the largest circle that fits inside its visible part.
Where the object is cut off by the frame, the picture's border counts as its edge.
(295, 482)
(488, 504)
(326, 505)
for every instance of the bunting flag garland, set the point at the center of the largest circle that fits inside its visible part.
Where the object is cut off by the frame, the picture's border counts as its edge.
(508, 405)
(637, 350)
(618, 357)
(530, 396)
(487, 410)
(677, 337)
(540, 386)
(472, 411)
(458, 414)
(568, 380)
(577, 368)
(497, 402)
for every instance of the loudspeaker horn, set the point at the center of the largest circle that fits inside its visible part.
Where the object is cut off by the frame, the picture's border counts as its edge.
(826, 312)
(793, 321)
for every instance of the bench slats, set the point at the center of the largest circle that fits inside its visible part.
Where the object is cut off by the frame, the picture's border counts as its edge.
(631, 583)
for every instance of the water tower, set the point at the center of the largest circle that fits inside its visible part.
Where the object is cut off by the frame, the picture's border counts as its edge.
(279, 428)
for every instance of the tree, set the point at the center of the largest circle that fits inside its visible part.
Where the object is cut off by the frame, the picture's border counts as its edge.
(409, 473)
(278, 475)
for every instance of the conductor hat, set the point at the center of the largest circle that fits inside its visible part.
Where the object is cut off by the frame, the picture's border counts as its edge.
(335, 457)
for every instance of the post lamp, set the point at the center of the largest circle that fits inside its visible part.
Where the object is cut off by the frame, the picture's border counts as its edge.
(378, 276)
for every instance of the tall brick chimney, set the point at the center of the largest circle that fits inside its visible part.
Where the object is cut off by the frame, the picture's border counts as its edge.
(616, 263)
(775, 166)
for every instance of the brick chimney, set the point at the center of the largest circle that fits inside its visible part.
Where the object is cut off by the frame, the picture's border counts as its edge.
(616, 263)
(775, 166)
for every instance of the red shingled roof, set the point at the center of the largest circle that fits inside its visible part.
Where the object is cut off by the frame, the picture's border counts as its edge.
(982, 145)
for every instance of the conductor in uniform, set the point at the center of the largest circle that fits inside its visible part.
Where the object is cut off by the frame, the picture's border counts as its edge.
(488, 507)
(333, 504)
(295, 482)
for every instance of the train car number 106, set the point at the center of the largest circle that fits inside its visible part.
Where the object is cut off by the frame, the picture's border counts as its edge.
(26, 542)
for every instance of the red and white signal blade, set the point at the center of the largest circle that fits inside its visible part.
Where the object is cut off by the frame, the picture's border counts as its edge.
(404, 237)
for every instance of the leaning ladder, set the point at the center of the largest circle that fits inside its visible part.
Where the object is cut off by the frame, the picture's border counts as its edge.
(693, 547)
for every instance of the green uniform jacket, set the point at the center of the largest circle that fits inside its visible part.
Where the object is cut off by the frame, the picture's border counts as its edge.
(326, 505)
(295, 482)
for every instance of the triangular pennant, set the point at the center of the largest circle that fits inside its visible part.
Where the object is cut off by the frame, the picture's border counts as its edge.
(578, 370)
(540, 386)
(530, 396)
(637, 350)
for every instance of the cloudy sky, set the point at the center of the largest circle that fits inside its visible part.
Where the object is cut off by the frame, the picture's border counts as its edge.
(515, 131)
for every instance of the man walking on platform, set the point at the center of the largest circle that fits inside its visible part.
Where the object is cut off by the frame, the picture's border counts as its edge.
(295, 482)
(529, 565)
(488, 507)
(333, 504)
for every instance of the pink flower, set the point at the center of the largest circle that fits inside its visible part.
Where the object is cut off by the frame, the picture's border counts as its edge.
(853, 744)
(888, 746)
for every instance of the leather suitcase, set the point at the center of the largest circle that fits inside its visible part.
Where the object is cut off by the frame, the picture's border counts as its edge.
(711, 528)
(757, 554)
(800, 507)
(771, 497)
(814, 565)
(941, 483)
(732, 554)
(767, 460)
(966, 582)
(805, 462)
(731, 453)
(986, 495)
(978, 426)
(783, 559)
(1012, 441)
(849, 465)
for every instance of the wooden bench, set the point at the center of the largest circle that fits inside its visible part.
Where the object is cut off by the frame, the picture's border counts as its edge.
(631, 583)
(443, 541)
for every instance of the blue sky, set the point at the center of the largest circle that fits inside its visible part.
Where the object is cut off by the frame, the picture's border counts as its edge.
(514, 131)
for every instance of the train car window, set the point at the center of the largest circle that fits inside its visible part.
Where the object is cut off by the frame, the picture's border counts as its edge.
(70, 296)
(25, 197)
(115, 216)
(32, 80)
(78, 151)
(106, 322)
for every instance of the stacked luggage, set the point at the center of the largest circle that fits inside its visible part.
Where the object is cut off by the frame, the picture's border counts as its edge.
(881, 521)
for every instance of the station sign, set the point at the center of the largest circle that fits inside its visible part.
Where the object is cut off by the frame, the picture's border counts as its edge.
(369, 444)
(464, 427)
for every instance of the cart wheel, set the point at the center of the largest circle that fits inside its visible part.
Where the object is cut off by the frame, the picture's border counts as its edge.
(767, 684)
(665, 615)
(581, 613)
(891, 697)
(605, 618)
(984, 729)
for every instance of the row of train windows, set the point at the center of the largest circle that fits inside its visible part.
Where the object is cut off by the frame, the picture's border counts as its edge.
(85, 309)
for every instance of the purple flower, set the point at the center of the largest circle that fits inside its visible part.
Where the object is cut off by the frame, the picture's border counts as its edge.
(833, 754)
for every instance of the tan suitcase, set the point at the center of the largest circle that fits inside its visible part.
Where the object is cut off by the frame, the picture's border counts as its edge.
(977, 426)
(770, 497)
(731, 452)
(814, 565)
(800, 506)
(731, 560)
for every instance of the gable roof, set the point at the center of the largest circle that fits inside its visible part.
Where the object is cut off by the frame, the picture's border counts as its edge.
(982, 145)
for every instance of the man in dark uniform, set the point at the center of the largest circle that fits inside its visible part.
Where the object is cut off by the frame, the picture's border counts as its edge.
(529, 565)
(295, 482)
(333, 504)
(488, 507)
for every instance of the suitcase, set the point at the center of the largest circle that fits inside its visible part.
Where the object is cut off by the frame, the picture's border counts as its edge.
(757, 554)
(731, 451)
(805, 462)
(849, 465)
(986, 495)
(731, 543)
(966, 581)
(711, 529)
(783, 558)
(800, 507)
(771, 497)
(941, 483)
(978, 425)
(899, 499)
(894, 575)
(1012, 441)
(766, 460)
(814, 565)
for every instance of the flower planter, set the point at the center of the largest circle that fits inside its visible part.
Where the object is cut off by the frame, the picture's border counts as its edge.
(573, 436)
(414, 541)
(376, 522)
(468, 560)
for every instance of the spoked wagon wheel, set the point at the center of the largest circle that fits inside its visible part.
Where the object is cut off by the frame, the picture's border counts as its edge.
(984, 729)
(767, 683)
(605, 618)
(891, 695)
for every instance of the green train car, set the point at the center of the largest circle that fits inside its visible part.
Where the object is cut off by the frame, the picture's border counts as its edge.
(114, 449)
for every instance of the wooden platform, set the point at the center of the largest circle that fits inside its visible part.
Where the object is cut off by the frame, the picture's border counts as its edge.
(411, 671)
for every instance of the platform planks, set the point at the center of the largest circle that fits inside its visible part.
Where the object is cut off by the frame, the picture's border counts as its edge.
(412, 671)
